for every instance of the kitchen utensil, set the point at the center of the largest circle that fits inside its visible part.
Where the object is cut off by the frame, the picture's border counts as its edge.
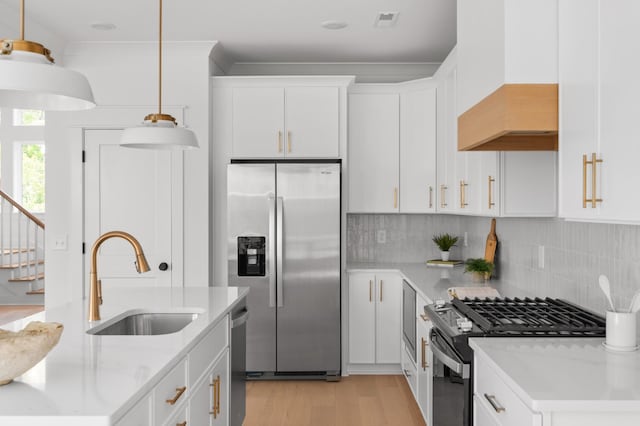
(492, 243)
(606, 289)
(633, 301)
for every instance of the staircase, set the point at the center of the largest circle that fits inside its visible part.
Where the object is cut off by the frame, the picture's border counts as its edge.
(21, 254)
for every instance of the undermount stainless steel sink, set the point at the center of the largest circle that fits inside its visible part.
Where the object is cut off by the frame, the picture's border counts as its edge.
(145, 324)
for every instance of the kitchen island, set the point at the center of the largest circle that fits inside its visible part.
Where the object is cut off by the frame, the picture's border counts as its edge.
(129, 380)
(555, 382)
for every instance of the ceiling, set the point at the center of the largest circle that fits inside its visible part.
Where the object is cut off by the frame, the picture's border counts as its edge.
(263, 30)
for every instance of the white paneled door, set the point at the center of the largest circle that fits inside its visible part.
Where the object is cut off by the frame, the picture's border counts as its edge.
(128, 190)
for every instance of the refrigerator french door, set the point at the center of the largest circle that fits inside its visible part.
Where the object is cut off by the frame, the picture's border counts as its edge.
(284, 243)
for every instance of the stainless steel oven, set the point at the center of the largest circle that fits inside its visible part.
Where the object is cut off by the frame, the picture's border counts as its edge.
(409, 318)
(451, 384)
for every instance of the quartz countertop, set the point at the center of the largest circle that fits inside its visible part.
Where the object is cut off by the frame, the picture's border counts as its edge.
(98, 378)
(432, 282)
(564, 374)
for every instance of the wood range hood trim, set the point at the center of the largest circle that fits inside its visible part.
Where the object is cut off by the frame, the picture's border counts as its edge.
(516, 117)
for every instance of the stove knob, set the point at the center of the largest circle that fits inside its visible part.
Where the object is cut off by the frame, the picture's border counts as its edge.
(465, 325)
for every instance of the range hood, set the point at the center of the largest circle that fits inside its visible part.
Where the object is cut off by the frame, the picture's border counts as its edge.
(516, 117)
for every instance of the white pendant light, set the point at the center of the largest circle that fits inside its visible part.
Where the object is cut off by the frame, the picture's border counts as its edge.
(30, 80)
(159, 131)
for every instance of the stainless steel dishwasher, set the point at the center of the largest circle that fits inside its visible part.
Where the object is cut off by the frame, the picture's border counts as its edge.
(238, 351)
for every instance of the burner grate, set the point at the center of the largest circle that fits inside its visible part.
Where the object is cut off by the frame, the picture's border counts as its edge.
(548, 317)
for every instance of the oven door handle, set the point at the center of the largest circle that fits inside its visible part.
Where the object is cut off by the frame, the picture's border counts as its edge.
(439, 352)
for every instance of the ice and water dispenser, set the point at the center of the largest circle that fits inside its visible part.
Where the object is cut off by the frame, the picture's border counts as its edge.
(251, 256)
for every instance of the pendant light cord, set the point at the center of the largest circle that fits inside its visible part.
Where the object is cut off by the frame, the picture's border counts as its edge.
(21, 19)
(159, 61)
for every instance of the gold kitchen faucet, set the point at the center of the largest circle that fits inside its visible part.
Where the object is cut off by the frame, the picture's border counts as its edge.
(95, 291)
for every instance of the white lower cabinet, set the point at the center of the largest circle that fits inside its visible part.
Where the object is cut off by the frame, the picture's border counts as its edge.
(209, 402)
(410, 370)
(193, 390)
(179, 418)
(495, 403)
(375, 309)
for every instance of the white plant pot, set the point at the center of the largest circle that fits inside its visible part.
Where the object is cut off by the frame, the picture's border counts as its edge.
(444, 255)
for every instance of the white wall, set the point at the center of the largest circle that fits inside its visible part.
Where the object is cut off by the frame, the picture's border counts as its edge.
(125, 74)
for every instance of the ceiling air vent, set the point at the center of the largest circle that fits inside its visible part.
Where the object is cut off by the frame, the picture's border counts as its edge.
(386, 19)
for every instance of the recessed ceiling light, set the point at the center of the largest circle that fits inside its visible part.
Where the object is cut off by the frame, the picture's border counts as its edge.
(386, 19)
(334, 25)
(103, 26)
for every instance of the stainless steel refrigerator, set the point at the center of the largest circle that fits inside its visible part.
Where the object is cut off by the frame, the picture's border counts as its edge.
(284, 243)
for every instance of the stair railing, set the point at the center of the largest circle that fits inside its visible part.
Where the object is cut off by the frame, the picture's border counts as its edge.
(21, 239)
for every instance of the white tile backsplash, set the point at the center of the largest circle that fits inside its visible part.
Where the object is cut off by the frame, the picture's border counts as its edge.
(575, 252)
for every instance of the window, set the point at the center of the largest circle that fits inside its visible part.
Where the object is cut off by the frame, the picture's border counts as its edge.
(28, 117)
(32, 177)
(22, 160)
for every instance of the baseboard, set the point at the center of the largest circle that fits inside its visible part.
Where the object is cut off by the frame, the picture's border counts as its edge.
(374, 369)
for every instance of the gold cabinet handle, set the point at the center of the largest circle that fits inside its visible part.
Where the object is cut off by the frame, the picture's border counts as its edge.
(370, 290)
(594, 181)
(463, 187)
(424, 317)
(491, 203)
(179, 392)
(289, 141)
(443, 189)
(494, 403)
(424, 354)
(279, 141)
(182, 424)
(430, 197)
(395, 198)
(216, 397)
(381, 283)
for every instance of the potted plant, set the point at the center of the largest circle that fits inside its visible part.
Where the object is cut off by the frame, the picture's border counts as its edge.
(444, 243)
(481, 269)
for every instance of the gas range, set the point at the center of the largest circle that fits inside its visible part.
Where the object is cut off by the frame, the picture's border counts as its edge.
(511, 317)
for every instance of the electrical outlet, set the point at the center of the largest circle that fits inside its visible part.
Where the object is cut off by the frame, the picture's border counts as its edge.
(541, 257)
(60, 242)
(466, 239)
(381, 236)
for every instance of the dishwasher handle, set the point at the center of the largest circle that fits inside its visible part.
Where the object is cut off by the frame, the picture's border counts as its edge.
(443, 354)
(240, 319)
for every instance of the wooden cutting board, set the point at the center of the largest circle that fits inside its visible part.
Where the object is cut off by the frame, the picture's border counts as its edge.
(492, 243)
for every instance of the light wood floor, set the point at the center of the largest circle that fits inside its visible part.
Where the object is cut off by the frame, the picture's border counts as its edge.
(10, 313)
(353, 401)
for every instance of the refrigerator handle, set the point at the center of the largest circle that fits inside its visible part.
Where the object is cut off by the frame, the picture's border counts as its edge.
(279, 256)
(272, 250)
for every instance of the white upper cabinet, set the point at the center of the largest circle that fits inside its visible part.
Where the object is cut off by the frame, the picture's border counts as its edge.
(374, 137)
(285, 117)
(392, 147)
(417, 151)
(258, 122)
(504, 41)
(312, 122)
(447, 151)
(599, 91)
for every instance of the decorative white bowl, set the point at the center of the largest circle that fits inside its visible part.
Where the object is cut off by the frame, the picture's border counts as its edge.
(19, 351)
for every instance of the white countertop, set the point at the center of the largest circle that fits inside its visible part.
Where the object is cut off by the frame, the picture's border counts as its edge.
(565, 374)
(100, 377)
(432, 282)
